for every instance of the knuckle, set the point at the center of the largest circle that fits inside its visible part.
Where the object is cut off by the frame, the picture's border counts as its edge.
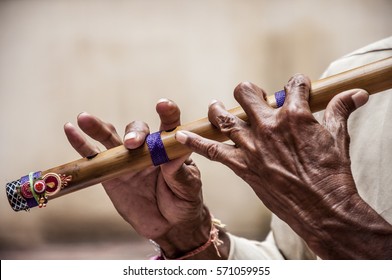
(298, 85)
(298, 80)
(188, 177)
(296, 111)
(111, 128)
(226, 122)
(136, 126)
(128, 128)
(212, 152)
(242, 88)
(230, 126)
(293, 117)
(344, 106)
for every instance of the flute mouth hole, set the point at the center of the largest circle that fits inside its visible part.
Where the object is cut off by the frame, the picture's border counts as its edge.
(92, 156)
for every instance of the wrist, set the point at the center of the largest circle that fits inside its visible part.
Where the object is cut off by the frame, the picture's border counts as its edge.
(186, 236)
(344, 223)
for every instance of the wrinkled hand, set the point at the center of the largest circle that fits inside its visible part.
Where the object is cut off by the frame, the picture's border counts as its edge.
(299, 168)
(162, 203)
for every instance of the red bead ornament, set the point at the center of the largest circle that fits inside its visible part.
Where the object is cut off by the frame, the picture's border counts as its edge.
(25, 191)
(39, 187)
(52, 182)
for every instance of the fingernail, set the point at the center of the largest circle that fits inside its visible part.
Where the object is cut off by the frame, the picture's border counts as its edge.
(213, 101)
(83, 113)
(131, 135)
(181, 137)
(163, 100)
(68, 124)
(360, 98)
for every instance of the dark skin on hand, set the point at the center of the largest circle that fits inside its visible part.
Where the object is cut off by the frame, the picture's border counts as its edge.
(162, 203)
(300, 169)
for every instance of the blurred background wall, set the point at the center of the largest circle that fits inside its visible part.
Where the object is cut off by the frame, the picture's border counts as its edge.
(115, 59)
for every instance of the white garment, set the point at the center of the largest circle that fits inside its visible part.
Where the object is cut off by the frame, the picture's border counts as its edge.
(370, 129)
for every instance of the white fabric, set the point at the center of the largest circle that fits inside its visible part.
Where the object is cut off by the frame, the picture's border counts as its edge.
(245, 249)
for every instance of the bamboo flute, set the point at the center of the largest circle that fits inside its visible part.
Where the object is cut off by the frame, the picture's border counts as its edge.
(37, 188)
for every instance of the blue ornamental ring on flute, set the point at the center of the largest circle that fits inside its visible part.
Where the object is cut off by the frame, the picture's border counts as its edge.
(156, 148)
(280, 96)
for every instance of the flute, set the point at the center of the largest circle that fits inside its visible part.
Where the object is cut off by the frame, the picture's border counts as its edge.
(37, 188)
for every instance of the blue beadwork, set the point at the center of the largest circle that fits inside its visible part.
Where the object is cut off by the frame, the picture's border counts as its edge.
(156, 148)
(280, 96)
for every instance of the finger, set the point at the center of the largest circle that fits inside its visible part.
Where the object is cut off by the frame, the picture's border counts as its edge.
(171, 167)
(135, 134)
(210, 149)
(99, 130)
(228, 124)
(297, 94)
(79, 142)
(339, 109)
(169, 114)
(183, 178)
(253, 100)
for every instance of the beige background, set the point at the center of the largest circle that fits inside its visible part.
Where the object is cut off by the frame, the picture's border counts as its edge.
(115, 59)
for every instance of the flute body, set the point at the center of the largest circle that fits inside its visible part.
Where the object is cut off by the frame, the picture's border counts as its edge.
(36, 188)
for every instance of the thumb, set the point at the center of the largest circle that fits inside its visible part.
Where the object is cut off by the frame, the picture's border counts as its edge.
(183, 178)
(173, 166)
(340, 108)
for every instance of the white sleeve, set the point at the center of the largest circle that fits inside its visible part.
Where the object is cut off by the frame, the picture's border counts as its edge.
(245, 249)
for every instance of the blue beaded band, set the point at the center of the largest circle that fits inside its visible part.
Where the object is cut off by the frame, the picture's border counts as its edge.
(280, 96)
(156, 148)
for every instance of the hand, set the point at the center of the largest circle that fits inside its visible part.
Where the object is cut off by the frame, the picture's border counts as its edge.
(162, 203)
(299, 168)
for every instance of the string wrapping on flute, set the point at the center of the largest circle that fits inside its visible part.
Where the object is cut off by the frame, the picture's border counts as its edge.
(280, 97)
(156, 148)
(17, 202)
